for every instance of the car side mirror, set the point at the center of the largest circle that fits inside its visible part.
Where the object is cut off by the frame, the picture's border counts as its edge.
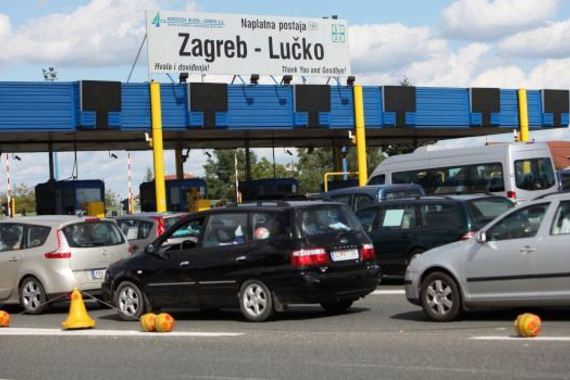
(150, 249)
(482, 237)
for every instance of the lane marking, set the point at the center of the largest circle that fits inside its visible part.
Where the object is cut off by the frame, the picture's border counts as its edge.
(113, 333)
(538, 338)
(384, 292)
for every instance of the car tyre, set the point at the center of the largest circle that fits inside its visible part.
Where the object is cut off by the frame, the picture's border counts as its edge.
(130, 301)
(440, 297)
(337, 307)
(33, 296)
(255, 301)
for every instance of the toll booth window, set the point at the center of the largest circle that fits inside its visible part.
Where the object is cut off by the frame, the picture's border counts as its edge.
(534, 174)
(36, 236)
(11, 237)
(88, 195)
(226, 229)
(92, 234)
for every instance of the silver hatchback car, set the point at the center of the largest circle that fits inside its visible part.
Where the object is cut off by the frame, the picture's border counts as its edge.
(519, 259)
(43, 257)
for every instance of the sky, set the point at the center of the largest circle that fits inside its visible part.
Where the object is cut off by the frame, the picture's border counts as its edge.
(455, 43)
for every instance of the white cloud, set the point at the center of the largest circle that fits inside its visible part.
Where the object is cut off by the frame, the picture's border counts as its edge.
(387, 46)
(502, 76)
(481, 20)
(101, 32)
(5, 28)
(551, 41)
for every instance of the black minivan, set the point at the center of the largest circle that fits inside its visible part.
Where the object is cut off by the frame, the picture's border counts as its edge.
(401, 229)
(258, 257)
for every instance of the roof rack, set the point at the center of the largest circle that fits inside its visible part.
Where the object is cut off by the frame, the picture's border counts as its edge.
(278, 203)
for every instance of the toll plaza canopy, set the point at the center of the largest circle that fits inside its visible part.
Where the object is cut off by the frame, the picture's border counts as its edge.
(96, 115)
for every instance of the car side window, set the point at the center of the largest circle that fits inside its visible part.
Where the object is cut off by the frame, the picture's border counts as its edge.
(398, 217)
(186, 236)
(265, 225)
(441, 215)
(36, 236)
(226, 229)
(11, 237)
(366, 218)
(561, 223)
(520, 224)
(362, 200)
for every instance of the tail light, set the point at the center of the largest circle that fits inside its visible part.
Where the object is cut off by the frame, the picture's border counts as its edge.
(160, 228)
(309, 257)
(367, 252)
(512, 195)
(469, 235)
(63, 251)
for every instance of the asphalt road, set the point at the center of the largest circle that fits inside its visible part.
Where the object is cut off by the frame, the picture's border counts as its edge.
(382, 337)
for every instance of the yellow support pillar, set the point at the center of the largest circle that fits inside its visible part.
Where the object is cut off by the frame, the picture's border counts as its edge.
(157, 150)
(360, 135)
(523, 116)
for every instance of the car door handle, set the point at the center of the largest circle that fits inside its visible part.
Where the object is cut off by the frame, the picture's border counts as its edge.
(526, 250)
(14, 260)
(240, 259)
(184, 263)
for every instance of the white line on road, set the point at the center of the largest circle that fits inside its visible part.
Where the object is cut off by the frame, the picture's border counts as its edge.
(535, 339)
(112, 333)
(384, 292)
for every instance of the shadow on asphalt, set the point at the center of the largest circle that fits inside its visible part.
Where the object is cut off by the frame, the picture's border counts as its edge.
(294, 313)
(550, 314)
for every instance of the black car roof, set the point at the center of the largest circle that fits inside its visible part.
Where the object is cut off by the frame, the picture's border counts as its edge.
(451, 198)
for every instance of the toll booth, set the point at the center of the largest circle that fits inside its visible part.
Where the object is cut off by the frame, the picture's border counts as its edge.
(68, 197)
(269, 189)
(179, 193)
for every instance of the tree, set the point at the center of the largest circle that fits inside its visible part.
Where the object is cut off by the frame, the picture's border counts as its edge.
(111, 198)
(311, 168)
(220, 171)
(149, 176)
(25, 198)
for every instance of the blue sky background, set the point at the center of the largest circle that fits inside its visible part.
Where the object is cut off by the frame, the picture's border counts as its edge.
(458, 43)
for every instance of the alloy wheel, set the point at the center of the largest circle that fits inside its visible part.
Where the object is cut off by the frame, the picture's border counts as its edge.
(439, 297)
(255, 299)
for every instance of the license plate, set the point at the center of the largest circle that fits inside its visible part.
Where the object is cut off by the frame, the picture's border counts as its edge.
(98, 274)
(344, 255)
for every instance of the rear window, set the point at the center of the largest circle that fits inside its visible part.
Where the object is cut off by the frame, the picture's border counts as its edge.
(485, 210)
(327, 219)
(92, 234)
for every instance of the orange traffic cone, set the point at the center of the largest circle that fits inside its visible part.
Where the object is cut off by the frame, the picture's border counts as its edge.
(78, 317)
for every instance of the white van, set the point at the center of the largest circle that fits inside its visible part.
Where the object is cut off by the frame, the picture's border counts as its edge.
(519, 171)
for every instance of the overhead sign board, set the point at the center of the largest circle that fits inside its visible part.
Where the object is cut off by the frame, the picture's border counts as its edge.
(209, 43)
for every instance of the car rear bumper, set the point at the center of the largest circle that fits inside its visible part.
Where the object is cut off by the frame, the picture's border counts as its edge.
(316, 286)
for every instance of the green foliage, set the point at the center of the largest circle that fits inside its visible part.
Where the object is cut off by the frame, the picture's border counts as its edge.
(220, 171)
(149, 176)
(25, 198)
(111, 198)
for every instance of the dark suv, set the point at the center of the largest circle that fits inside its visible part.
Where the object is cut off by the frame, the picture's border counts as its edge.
(258, 257)
(401, 229)
(358, 197)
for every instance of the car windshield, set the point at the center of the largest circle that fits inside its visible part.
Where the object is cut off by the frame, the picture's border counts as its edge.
(326, 219)
(92, 234)
(486, 209)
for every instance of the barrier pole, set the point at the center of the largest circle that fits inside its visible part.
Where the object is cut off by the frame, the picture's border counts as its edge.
(523, 116)
(157, 150)
(360, 135)
(179, 163)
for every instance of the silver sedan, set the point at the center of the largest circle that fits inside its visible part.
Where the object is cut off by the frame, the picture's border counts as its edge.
(519, 259)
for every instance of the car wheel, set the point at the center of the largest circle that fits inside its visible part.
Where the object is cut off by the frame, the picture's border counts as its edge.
(130, 301)
(255, 301)
(337, 307)
(440, 297)
(33, 296)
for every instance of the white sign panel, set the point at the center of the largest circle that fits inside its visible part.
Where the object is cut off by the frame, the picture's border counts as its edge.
(209, 43)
